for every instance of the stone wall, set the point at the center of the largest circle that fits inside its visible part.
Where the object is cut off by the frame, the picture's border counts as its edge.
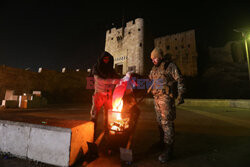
(126, 44)
(182, 47)
(56, 87)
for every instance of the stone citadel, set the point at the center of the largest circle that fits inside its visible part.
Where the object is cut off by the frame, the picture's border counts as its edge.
(182, 47)
(127, 45)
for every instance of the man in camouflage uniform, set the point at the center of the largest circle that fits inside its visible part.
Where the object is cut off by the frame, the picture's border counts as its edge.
(163, 75)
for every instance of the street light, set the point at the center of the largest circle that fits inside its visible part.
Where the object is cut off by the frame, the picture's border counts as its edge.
(246, 35)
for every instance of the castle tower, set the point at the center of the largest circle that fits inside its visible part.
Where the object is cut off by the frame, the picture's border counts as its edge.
(126, 44)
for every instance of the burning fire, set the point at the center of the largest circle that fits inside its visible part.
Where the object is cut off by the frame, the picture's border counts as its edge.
(119, 124)
(118, 104)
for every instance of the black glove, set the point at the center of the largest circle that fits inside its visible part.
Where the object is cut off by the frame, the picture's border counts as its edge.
(180, 100)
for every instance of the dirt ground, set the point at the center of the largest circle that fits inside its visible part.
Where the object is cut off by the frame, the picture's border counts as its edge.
(202, 138)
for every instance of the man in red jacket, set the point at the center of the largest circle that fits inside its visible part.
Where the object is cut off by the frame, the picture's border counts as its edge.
(105, 79)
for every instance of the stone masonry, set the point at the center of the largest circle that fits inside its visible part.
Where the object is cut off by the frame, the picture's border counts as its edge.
(126, 44)
(182, 47)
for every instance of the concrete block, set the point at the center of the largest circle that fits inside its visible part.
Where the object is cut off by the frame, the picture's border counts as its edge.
(9, 94)
(15, 139)
(1, 138)
(80, 134)
(59, 142)
(50, 146)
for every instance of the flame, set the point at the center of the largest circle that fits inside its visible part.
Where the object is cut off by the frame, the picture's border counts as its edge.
(116, 128)
(118, 125)
(119, 119)
(118, 104)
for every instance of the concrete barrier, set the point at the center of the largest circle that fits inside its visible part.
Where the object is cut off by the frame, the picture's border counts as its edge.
(239, 103)
(59, 142)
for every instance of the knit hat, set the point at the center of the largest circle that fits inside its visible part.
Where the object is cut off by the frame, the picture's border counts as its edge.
(157, 53)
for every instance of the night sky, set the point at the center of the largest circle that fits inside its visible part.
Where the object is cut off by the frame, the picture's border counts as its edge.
(71, 34)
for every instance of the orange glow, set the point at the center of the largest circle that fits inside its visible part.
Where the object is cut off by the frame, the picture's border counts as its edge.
(117, 104)
(119, 124)
(116, 128)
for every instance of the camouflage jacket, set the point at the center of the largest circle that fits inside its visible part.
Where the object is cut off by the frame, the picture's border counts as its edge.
(164, 78)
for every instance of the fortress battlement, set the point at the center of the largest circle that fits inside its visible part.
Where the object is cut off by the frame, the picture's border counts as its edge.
(133, 23)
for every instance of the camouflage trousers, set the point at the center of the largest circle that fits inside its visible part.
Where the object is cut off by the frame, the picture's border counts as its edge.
(165, 116)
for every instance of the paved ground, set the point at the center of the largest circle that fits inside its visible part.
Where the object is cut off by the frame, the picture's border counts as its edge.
(205, 137)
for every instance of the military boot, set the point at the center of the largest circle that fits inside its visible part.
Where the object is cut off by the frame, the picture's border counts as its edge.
(161, 142)
(167, 153)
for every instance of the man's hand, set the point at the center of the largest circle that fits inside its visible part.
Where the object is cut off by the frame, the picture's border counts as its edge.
(127, 76)
(116, 81)
(180, 100)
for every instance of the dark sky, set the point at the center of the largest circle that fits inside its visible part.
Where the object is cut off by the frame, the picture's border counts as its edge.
(56, 34)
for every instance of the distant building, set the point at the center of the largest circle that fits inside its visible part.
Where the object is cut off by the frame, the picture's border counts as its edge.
(182, 47)
(13, 100)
